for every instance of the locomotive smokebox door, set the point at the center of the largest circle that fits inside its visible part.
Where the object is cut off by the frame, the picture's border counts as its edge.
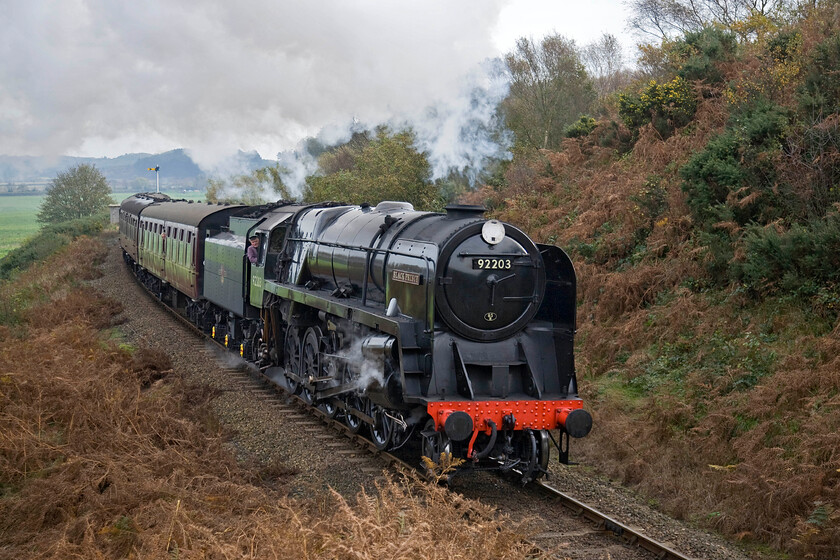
(489, 290)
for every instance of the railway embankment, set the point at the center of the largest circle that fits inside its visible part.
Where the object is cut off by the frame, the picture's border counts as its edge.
(110, 448)
(122, 437)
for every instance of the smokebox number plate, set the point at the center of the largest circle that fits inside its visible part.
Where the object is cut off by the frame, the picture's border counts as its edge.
(492, 263)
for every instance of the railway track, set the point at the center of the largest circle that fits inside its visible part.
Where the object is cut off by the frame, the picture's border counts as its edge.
(278, 395)
(607, 524)
(258, 381)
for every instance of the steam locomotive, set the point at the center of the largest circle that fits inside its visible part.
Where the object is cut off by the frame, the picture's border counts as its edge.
(445, 329)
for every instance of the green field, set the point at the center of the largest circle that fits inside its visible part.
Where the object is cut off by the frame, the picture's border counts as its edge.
(17, 216)
(17, 220)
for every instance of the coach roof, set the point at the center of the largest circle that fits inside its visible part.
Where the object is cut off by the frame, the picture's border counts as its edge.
(134, 204)
(184, 212)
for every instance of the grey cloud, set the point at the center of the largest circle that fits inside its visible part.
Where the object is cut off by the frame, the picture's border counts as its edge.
(217, 76)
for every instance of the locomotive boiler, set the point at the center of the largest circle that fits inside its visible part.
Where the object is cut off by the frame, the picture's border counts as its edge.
(446, 331)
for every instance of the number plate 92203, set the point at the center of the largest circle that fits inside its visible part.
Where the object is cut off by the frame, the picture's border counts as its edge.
(492, 263)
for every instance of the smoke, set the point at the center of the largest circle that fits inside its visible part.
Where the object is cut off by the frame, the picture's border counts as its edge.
(459, 134)
(95, 77)
(297, 164)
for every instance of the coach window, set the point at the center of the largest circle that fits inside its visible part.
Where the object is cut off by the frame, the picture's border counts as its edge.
(182, 251)
(189, 249)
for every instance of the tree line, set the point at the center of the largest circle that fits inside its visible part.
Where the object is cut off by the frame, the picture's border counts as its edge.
(557, 90)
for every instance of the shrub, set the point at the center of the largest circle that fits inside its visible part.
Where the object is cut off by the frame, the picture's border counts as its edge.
(820, 91)
(761, 124)
(702, 51)
(734, 177)
(804, 261)
(672, 104)
(720, 250)
(814, 173)
(784, 45)
(613, 135)
(711, 175)
(652, 200)
(668, 106)
(582, 127)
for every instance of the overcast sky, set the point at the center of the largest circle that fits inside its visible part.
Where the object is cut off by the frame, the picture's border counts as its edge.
(107, 77)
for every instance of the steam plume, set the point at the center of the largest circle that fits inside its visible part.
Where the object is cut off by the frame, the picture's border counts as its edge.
(96, 77)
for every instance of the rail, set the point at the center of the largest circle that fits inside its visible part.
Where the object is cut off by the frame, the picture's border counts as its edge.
(607, 524)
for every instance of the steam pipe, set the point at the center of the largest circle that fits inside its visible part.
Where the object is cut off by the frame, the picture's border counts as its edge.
(484, 453)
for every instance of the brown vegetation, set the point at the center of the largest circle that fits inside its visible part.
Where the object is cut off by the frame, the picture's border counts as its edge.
(721, 407)
(104, 453)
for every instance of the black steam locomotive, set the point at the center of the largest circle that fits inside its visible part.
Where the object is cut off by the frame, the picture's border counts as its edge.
(449, 330)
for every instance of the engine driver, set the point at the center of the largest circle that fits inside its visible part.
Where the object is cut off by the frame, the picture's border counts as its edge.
(253, 249)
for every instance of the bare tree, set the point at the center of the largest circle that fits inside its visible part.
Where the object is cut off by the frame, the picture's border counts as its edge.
(668, 18)
(549, 90)
(604, 61)
(662, 18)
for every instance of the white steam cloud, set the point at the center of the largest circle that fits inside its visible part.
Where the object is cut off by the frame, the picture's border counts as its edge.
(98, 77)
(459, 134)
(369, 371)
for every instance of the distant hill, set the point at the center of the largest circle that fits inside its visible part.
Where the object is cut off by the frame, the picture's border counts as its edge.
(126, 173)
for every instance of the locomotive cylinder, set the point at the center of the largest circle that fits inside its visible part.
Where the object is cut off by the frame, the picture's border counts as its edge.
(378, 348)
(378, 376)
